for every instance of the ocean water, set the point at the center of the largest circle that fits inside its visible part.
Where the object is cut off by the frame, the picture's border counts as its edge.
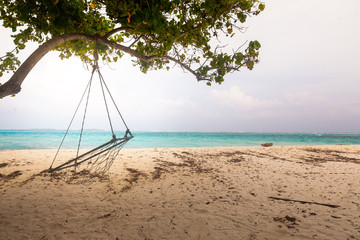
(10, 139)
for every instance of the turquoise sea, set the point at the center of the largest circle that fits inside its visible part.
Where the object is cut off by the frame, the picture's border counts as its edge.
(30, 139)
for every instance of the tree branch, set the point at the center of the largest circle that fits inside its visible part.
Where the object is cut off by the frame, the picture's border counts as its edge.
(116, 30)
(198, 76)
(300, 201)
(13, 85)
(126, 49)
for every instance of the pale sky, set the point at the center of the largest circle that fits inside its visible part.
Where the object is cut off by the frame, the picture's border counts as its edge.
(308, 80)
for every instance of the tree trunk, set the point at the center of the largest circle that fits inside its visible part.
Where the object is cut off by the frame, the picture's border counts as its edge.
(13, 85)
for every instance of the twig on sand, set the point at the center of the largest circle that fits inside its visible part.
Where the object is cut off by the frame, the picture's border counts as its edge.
(317, 203)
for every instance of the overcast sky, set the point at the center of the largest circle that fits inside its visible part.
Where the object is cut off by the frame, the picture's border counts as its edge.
(308, 80)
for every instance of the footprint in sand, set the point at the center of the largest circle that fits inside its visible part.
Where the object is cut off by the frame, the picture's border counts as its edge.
(10, 176)
(3, 165)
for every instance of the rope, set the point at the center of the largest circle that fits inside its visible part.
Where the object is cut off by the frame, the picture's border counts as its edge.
(83, 121)
(72, 119)
(107, 153)
(127, 128)
(107, 108)
(102, 81)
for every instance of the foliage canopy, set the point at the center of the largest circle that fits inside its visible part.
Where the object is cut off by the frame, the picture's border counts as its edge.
(156, 32)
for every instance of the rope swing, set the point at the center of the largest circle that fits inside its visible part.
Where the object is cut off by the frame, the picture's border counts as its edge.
(99, 159)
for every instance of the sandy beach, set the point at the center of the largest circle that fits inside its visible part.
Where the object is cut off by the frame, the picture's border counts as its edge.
(278, 192)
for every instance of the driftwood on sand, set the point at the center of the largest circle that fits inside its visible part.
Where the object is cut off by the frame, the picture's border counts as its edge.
(305, 202)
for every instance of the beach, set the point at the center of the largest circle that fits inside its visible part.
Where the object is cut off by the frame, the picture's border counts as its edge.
(277, 192)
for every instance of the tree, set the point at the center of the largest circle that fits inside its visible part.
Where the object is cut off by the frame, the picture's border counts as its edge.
(155, 32)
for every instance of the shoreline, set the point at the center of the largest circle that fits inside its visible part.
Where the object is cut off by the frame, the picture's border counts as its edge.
(278, 192)
(196, 147)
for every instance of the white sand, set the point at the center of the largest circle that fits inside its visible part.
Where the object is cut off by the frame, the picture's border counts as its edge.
(187, 193)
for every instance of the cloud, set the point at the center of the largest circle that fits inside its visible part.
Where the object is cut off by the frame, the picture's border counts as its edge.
(236, 99)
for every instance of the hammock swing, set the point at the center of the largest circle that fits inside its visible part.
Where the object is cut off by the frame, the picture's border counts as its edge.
(99, 159)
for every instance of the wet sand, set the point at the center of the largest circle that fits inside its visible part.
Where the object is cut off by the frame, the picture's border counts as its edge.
(278, 192)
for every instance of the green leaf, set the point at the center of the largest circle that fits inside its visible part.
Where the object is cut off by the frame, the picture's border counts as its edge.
(250, 65)
(261, 7)
(179, 29)
(242, 17)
